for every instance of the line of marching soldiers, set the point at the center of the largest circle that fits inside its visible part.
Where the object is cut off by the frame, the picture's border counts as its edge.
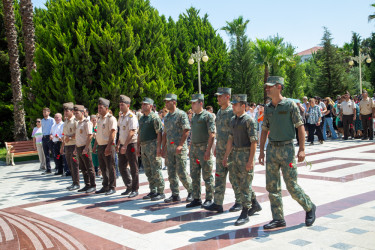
(236, 143)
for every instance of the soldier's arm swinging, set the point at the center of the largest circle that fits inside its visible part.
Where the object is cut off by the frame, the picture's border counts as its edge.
(184, 136)
(228, 150)
(158, 145)
(164, 144)
(301, 137)
(138, 147)
(250, 162)
(211, 139)
(263, 138)
(108, 149)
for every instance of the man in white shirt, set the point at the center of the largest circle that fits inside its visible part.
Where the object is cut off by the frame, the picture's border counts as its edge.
(348, 115)
(126, 145)
(56, 138)
(367, 112)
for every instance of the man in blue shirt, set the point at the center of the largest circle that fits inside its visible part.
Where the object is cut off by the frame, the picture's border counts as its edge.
(47, 123)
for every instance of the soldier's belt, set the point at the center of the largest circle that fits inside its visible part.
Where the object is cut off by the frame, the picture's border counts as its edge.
(147, 142)
(241, 148)
(199, 143)
(281, 143)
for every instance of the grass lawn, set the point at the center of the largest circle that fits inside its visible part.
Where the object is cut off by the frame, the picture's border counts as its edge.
(3, 154)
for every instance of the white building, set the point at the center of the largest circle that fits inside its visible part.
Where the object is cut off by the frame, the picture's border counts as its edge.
(307, 54)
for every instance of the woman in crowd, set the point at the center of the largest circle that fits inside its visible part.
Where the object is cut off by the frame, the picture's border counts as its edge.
(37, 136)
(328, 120)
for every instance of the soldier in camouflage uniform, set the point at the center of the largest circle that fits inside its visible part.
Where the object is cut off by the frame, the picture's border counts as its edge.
(176, 130)
(149, 138)
(242, 141)
(281, 117)
(223, 118)
(202, 138)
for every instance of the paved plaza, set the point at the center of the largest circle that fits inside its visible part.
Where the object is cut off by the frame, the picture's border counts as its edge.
(37, 212)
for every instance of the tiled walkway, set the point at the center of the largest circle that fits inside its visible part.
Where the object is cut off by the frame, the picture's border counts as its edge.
(36, 212)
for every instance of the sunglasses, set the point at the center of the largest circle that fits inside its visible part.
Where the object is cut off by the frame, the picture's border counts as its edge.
(37, 121)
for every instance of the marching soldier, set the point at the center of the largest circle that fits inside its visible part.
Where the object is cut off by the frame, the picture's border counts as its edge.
(69, 144)
(176, 125)
(149, 148)
(128, 125)
(83, 146)
(105, 138)
(281, 117)
(242, 141)
(223, 118)
(202, 138)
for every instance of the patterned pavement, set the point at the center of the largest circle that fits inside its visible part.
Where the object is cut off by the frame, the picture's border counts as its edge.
(36, 212)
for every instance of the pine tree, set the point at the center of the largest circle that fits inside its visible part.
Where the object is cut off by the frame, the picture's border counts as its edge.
(332, 80)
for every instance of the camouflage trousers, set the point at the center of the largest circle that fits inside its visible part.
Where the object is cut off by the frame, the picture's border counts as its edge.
(279, 157)
(221, 178)
(243, 177)
(177, 168)
(198, 165)
(152, 166)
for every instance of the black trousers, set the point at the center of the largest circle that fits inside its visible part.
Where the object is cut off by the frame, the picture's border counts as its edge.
(312, 129)
(107, 168)
(347, 121)
(47, 148)
(131, 180)
(59, 160)
(367, 126)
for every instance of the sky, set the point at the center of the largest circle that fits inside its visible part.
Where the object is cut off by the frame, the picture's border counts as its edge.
(299, 22)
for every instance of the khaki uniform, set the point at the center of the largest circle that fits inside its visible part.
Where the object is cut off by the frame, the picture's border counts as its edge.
(84, 130)
(104, 127)
(128, 122)
(69, 130)
(366, 107)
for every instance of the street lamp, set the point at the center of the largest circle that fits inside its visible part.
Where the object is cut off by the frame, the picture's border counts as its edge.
(359, 59)
(198, 56)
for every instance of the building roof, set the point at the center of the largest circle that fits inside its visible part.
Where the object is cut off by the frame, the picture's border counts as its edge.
(310, 51)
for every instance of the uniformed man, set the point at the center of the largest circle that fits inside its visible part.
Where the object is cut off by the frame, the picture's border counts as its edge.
(202, 137)
(242, 141)
(281, 117)
(223, 118)
(176, 125)
(69, 144)
(105, 138)
(83, 147)
(126, 145)
(367, 112)
(149, 148)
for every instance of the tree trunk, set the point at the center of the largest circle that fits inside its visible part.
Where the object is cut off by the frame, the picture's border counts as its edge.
(15, 73)
(26, 8)
(266, 75)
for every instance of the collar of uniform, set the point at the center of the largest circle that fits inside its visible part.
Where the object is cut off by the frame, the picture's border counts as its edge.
(129, 113)
(241, 116)
(175, 111)
(282, 102)
(105, 115)
(200, 112)
(71, 118)
(227, 108)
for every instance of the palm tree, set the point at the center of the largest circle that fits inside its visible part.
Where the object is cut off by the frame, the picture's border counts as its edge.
(15, 73)
(371, 17)
(237, 27)
(272, 54)
(26, 9)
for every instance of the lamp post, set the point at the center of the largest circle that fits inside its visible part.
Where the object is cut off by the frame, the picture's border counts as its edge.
(359, 59)
(198, 56)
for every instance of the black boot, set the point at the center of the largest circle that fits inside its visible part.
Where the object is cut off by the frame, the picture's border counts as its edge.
(310, 216)
(255, 207)
(189, 198)
(207, 203)
(194, 203)
(173, 198)
(275, 224)
(214, 207)
(244, 218)
(236, 207)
